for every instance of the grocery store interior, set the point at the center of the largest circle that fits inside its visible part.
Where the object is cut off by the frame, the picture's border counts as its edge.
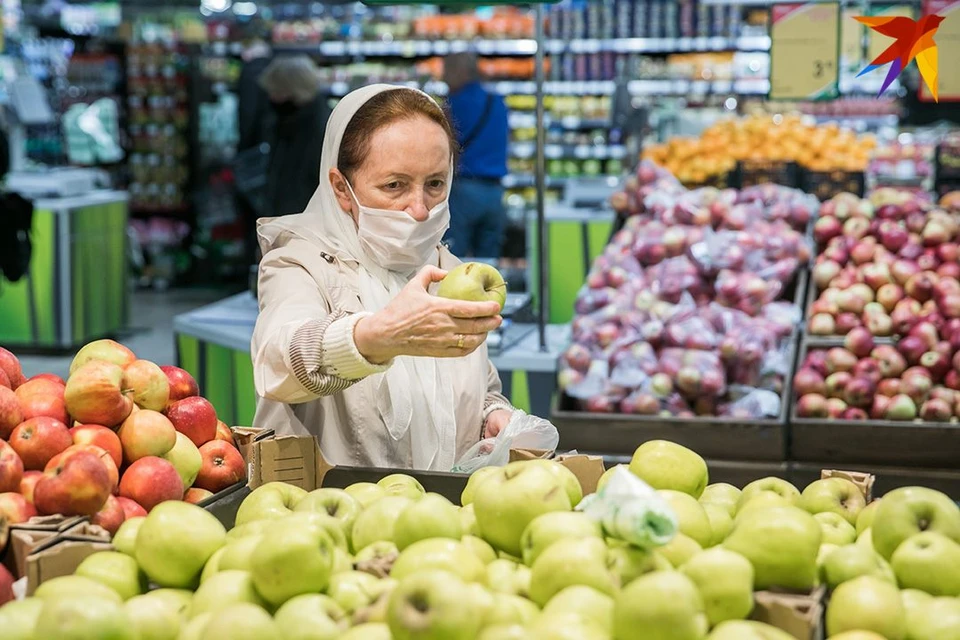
(728, 232)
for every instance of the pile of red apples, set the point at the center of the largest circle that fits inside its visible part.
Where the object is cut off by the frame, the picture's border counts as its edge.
(887, 264)
(115, 439)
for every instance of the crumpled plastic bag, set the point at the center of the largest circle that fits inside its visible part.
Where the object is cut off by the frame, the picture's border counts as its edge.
(522, 432)
(629, 509)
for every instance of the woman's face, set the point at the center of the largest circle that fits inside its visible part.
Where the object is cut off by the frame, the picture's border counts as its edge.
(406, 169)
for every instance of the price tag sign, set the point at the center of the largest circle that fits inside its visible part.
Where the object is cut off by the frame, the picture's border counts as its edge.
(877, 43)
(851, 39)
(947, 38)
(804, 50)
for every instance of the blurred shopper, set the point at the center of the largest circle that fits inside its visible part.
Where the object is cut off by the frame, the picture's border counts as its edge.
(477, 216)
(296, 94)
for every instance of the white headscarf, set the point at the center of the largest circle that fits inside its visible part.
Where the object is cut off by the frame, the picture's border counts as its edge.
(415, 396)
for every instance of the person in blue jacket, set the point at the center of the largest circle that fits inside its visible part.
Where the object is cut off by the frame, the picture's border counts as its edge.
(477, 214)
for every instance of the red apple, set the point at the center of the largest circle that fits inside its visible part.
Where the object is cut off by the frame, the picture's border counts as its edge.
(15, 508)
(51, 377)
(42, 398)
(6, 581)
(920, 285)
(11, 468)
(224, 433)
(38, 439)
(846, 322)
(836, 384)
(822, 324)
(826, 228)
(110, 516)
(40, 386)
(879, 409)
(952, 380)
(807, 381)
(824, 272)
(195, 495)
(902, 270)
(836, 408)
(936, 410)
(10, 412)
(223, 466)
(859, 342)
(936, 363)
(868, 368)
(927, 332)
(146, 433)
(146, 384)
(103, 351)
(839, 359)
(29, 483)
(880, 325)
(889, 295)
(195, 418)
(812, 406)
(100, 436)
(95, 395)
(949, 270)
(912, 347)
(112, 471)
(854, 413)
(78, 486)
(889, 387)
(859, 392)
(11, 367)
(892, 364)
(131, 509)
(150, 481)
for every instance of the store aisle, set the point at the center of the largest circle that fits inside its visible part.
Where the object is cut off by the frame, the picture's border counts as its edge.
(151, 331)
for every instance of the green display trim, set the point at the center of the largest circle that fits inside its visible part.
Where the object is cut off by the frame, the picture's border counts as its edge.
(28, 307)
(572, 247)
(188, 354)
(245, 390)
(519, 390)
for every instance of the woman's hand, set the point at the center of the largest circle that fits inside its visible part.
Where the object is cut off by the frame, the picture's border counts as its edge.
(416, 323)
(496, 422)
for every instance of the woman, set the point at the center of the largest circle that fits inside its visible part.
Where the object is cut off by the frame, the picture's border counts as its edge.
(349, 345)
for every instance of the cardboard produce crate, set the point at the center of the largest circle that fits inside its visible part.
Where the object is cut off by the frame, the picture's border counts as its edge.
(821, 441)
(826, 184)
(887, 478)
(800, 615)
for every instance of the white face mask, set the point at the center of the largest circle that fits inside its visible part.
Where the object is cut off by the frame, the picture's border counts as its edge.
(395, 240)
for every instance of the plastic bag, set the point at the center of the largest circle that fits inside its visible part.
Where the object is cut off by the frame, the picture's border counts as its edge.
(629, 509)
(522, 432)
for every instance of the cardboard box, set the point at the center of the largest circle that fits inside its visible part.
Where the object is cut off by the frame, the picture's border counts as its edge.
(26, 536)
(800, 615)
(864, 481)
(61, 554)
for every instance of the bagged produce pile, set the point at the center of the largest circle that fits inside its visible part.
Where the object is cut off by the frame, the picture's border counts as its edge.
(684, 314)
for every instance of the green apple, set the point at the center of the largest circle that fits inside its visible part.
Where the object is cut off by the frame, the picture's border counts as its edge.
(368, 631)
(67, 587)
(255, 528)
(185, 458)
(479, 548)
(666, 465)
(433, 604)
(725, 582)
(308, 617)
(914, 601)
(938, 619)
(566, 626)
(366, 493)
(377, 521)
(825, 549)
(236, 555)
(504, 632)
(605, 477)
(547, 528)
(354, 590)
(770, 484)
(692, 520)
(506, 576)
(834, 495)
(865, 519)
(213, 565)
(292, 559)
(432, 516)
(152, 618)
(510, 499)
(570, 482)
(193, 629)
(382, 551)
(269, 502)
(850, 561)
(835, 528)
(506, 609)
(125, 539)
(333, 526)
(179, 600)
(781, 543)
(680, 550)
(475, 282)
(569, 562)
(439, 553)
(175, 541)
(664, 605)
(240, 621)
(336, 503)
(400, 484)
(721, 494)
(721, 523)
(468, 521)
(466, 496)
(115, 570)
(928, 561)
(18, 618)
(857, 635)
(866, 539)
(908, 511)
(83, 617)
(584, 601)
(342, 561)
(762, 500)
(224, 589)
(630, 562)
(867, 604)
(747, 630)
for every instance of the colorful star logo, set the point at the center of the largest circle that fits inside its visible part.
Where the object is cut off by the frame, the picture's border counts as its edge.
(913, 39)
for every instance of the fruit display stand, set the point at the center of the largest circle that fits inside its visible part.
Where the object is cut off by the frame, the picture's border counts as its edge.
(77, 286)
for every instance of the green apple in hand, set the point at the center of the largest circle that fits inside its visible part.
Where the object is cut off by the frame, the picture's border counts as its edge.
(439, 553)
(850, 561)
(308, 617)
(166, 555)
(115, 570)
(377, 522)
(547, 528)
(835, 528)
(432, 516)
(241, 621)
(125, 539)
(667, 465)
(400, 484)
(937, 619)
(692, 520)
(224, 589)
(433, 604)
(292, 559)
(664, 605)
(748, 630)
(506, 576)
(834, 495)
(723, 495)
(781, 543)
(930, 562)
(771, 484)
(83, 617)
(466, 496)
(908, 511)
(152, 618)
(18, 618)
(680, 550)
(865, 519)
(584, 601)
(568, 562)
(867, 604)
(474, 282)
(725, 582)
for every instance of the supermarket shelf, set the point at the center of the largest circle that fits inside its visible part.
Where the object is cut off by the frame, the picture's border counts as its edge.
(515, 180)
(528, 120)
(580, 151)
(752, 86)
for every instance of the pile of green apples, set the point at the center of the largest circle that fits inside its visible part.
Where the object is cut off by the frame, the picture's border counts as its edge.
(390, 561)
